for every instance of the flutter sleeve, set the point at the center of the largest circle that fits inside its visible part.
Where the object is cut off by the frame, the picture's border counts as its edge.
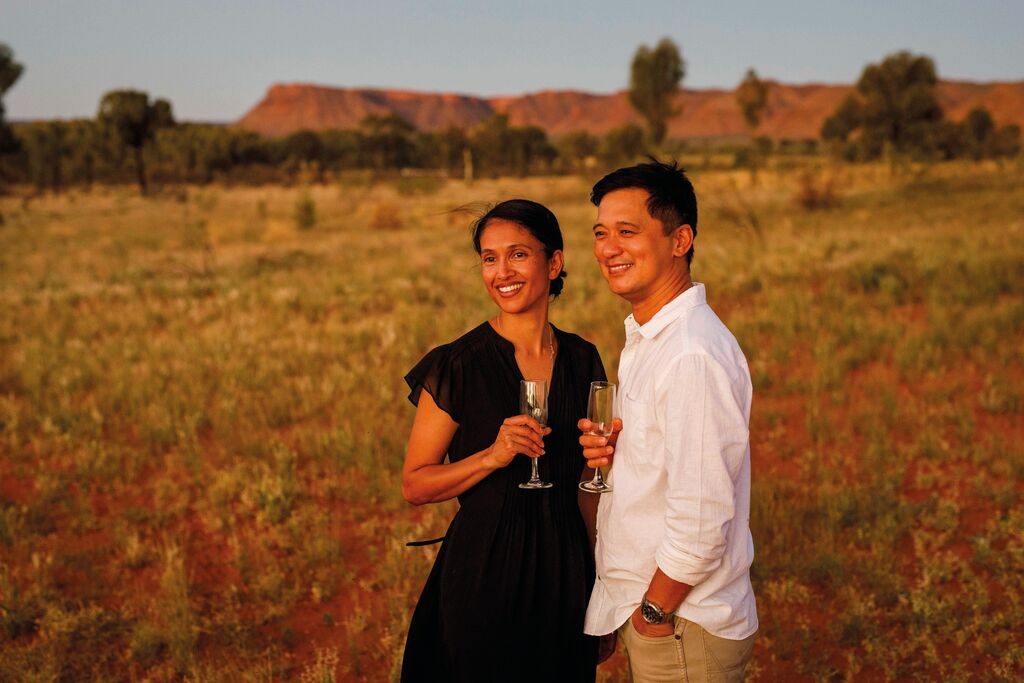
(597, 373)
(440, 375)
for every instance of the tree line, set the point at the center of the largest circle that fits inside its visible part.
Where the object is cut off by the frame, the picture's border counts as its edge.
(118, 147)
(893, 113)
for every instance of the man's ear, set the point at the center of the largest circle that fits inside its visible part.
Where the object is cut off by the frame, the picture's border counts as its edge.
(682, 240)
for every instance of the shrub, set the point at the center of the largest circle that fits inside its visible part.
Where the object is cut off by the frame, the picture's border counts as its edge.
(305, 212)
(814, 193)
(386, 217)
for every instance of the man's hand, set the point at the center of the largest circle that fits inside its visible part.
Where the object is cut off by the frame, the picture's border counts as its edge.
(606, 646)
(651, 630)
(597, 449)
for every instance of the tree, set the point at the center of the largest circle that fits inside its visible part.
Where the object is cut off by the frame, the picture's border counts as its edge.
(623, 144)
(527, 146)
(45, 146)
(752, 97)
(900, 105)
(454, 144)
(577, 149)
(305, 149)
(10, 71)
(894, 108)
(490, 141)
(654, 80)
(498, 147)
(134, 120)
(387, 141)
(846, 119)
(85, 144)
(979, 129)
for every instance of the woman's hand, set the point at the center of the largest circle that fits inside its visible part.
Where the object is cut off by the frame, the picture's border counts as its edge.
(518, 434)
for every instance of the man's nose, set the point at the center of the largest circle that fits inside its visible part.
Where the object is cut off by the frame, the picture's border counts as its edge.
(608, 247)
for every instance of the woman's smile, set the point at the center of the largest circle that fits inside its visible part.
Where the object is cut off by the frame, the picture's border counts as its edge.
(510, 290)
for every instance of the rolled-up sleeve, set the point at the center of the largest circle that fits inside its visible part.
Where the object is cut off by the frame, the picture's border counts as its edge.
(703, 414)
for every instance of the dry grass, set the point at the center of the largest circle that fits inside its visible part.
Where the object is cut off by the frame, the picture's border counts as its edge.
(202, 419)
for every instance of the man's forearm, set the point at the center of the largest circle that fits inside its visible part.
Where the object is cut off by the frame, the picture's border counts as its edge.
(666, 592)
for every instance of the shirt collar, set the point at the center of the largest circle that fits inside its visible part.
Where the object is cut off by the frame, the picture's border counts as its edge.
(673, 310)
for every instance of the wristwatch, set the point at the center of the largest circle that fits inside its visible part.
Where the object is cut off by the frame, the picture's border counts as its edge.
(653, 614)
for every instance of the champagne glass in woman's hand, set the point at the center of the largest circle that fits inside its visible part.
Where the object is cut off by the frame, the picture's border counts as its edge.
(601, 413)
(533, 401)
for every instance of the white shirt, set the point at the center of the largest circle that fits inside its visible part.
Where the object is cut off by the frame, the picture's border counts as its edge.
(681, 474)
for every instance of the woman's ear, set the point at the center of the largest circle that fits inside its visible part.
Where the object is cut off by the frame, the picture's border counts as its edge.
(555, 264)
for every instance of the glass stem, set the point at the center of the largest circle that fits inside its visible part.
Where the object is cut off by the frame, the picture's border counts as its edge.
(536, 472)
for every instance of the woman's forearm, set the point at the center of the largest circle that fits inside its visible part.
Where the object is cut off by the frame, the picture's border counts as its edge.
(438, 482)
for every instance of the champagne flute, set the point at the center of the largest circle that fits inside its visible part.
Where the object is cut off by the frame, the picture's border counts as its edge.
(600, 412)
(533, 401)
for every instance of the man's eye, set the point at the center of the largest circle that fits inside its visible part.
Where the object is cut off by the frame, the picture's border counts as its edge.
(519, 254)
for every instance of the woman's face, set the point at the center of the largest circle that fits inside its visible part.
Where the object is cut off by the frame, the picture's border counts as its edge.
(515, 269)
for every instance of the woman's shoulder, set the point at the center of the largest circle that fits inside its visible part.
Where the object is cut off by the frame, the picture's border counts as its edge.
(572, 342)
(462, 346)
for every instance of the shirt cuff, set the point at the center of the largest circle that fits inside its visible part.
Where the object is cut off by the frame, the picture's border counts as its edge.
(684, 568)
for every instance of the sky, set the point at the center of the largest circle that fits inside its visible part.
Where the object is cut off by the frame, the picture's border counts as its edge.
(215, 59)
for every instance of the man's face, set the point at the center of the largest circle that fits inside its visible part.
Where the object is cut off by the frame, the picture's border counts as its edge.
(636, 257)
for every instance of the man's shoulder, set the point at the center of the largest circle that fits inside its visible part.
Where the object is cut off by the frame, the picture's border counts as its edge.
(701, 331)
(704, 334)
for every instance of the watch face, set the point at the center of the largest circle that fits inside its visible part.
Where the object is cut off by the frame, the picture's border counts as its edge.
(650, 613)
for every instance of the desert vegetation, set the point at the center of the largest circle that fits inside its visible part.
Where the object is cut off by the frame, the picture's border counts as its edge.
(203, 335)
(202, 416)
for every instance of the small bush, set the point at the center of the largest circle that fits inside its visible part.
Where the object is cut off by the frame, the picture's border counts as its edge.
(305, 212)
(815, 193)
(410, 186)
(386, 217)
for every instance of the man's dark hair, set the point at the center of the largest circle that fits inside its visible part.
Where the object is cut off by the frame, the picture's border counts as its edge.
(672, 200)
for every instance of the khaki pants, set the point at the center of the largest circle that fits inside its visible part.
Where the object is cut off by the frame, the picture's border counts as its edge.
(691, 654)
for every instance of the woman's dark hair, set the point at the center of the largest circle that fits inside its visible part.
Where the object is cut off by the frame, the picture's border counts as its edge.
(537, 219)
(672, 199)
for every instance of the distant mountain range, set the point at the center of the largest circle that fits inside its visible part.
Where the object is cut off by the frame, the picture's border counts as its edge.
(793, 111)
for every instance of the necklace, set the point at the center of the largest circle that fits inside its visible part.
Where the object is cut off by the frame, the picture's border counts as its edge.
(551, 337)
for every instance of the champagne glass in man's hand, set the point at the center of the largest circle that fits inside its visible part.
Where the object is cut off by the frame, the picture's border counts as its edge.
(601, 416)
(533, 401)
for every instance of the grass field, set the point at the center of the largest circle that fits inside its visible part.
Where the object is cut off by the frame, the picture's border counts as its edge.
(203, 418)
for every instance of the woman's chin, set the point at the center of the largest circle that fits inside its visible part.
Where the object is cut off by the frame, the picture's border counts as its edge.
(515, 305)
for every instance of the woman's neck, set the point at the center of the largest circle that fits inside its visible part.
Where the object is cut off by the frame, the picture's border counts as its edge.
(528, 332)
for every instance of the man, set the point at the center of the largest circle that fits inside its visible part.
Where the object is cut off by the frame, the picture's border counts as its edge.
(673, 537)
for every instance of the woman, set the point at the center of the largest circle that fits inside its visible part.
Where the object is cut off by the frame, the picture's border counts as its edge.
(506, 597)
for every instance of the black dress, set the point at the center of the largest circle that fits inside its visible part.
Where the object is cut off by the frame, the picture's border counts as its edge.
(506, 598)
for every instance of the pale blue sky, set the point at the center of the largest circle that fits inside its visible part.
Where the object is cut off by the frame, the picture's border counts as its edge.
(214, 60)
